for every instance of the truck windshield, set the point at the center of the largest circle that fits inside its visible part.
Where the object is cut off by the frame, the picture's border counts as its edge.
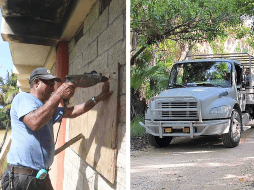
(215, 73)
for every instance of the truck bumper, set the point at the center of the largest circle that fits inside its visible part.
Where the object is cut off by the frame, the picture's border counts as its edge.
(186, 128)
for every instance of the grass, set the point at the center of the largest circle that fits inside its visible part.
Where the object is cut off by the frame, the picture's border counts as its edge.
(136, 129)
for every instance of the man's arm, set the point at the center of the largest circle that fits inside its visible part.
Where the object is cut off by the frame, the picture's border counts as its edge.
(83, 108)
(38, 118)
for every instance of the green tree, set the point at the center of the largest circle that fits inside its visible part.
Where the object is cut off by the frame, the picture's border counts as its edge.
(3, 119)
(8, 90)
(189, 20)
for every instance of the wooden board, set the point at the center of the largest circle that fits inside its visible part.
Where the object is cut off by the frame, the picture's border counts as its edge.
(99, 127)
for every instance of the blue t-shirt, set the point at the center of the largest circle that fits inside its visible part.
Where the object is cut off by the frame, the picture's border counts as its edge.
(34, 149)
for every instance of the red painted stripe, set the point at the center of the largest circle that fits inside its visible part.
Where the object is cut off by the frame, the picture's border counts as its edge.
(61, 70)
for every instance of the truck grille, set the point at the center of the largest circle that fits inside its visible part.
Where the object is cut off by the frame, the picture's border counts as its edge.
(177, 105)
(170, 109)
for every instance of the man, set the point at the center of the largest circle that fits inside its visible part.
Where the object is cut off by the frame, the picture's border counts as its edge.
(32, 117)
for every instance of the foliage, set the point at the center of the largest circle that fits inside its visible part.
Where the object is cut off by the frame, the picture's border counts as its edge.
(155, 78)
(136, 129)
(3, 119)
(8, 90)
(158, 81)
(189, 20)
(217, 45)
(139, 75)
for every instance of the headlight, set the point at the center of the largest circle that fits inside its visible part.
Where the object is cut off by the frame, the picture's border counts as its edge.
(219, 110)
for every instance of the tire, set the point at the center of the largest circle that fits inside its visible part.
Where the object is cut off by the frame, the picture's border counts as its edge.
(232, 138)
(158, 142)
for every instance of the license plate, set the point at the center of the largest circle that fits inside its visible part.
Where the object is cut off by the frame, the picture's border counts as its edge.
(167, 130)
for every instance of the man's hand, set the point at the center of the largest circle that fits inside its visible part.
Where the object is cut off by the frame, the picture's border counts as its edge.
(85, 107)
(66, 90)
(105, 93)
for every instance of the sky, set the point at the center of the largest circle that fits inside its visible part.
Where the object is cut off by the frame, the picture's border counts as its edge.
(6, 63)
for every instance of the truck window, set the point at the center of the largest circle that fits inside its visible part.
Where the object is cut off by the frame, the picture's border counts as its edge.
(201, 74)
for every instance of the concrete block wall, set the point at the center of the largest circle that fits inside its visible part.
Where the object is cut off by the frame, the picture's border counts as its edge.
(102, 46)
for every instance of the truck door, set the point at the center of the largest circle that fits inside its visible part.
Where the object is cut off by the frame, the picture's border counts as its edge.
(241, 93)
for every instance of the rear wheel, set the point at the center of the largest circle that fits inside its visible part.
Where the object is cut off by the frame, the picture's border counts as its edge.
(158, 142)
(232, 138)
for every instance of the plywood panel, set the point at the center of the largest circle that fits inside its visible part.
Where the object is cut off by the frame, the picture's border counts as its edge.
(99, 127)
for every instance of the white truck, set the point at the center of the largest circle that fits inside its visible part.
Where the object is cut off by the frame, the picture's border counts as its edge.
(206, 95)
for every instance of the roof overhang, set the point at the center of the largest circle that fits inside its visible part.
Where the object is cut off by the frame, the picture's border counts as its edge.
(33, 28)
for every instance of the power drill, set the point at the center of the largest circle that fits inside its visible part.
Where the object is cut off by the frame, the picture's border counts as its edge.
(84, 81)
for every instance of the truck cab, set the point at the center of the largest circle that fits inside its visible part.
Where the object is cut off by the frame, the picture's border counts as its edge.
(205, 96)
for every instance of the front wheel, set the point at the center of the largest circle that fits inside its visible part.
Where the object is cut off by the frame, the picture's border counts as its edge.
(232, 138)
(158, 142)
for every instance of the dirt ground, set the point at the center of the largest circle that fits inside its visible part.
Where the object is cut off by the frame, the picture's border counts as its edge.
(190, 164)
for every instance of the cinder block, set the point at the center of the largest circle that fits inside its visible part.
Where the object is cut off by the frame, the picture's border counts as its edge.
(77, 64)
(72, 184)
(74, 54)
(121, 176)
(91, 17)
(117, 54)
(116, 8)
(83, 166)
(121, 137)
(65, 181)
(91, 183)
(102, 184)
(121, 160)
(70, 69)
(67, 165)
(122, 117)
(80, 45)
(76, 161)
(66, 185)
(74, 174)
(71, 45)
(90, 53)
(100, 63)
(80, 181)
(121, 186)
(111, 35)
(100, 25)
(85, 41)
(90, 173)
(84, 69)
(86, 185)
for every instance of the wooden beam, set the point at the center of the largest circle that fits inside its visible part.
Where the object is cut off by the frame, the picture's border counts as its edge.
(69, 143)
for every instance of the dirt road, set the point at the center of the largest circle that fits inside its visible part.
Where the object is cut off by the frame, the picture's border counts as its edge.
(201, 163)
